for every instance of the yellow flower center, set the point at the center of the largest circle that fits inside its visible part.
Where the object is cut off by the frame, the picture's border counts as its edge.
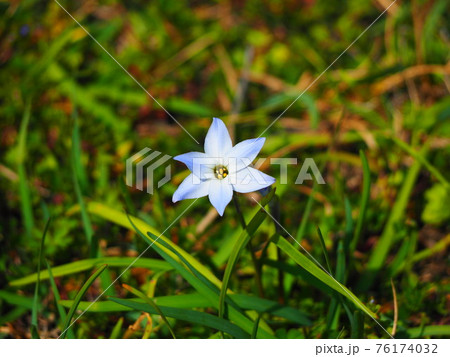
(220, 172)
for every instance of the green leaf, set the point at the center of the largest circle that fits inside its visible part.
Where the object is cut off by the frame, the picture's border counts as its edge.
(185, 301)
(421, 157)
(198, 301)
(348, 225)
(24, 190)
(77, 174)
(16, 299)
(432, 330)
(261, 305)
(195, 317)
(313, 269)
(117, 329)
(185, 107)
(34, 311)
(255, 327)
(120, 218)
(152, 304)
(436, 209)
(358, 326)
(96, 108)
(78, 298)
(302, 227)
(304, 274)
(76, 153)
(311, 107)
(379, 253)
(12, 315)
(59, 307)
(240, 245)
(194, 277)
(86, 264)
(324, 249)
(363, 202)
(45, 60)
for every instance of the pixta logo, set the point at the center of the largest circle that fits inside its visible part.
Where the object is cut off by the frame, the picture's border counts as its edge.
(141, 167)
(143, 161)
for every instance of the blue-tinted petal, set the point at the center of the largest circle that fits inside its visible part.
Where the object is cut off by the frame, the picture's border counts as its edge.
(217, 141)
(250, 180)
(246, 151)
(191, 187)
(198, 163)
(188, 158)
(220, 194)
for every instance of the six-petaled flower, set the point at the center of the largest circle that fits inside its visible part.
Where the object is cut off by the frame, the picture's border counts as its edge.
(221, 169)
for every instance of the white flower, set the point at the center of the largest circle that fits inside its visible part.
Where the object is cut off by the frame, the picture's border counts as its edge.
(221, 169)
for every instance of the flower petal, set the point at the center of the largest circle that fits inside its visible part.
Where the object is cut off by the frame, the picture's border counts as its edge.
(200, 164)
(250, 180)
(191, 187)
(246, 151)
(217, 141)
(220, 194)
(188, 158)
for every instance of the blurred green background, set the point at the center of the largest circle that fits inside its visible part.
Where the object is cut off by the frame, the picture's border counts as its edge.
(70, 117)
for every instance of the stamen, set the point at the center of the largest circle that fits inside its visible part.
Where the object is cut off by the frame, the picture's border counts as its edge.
(220, 172)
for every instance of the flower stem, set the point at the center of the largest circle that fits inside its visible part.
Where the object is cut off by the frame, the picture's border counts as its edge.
(256, 264)
(239, 212)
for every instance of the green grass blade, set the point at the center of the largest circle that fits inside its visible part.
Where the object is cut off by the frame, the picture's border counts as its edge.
(420, 157)
(302, 228)
(240, 245)
(16, 299)
(432, 330)
(24, 190)
(152, 304)
(255, 327)
(235, 309)
(358, 326)
(261, 305)
(348, 222)
(117, 329)
(198, 301)
(341, 275)
(404, 254)
(332, 316)
(312, 268)
(117, 217)
(40, 66)
(86, 264)
(173, 259)
(379, 253)
(76, 154)
(88, 231)
(126, 198)
(340, 262)
(59, 307)
(120, 218)
(34, 311)
(194, 276)
(324, 249)
(97, 108)
(302, 273)
(196, 317)
(363, 202)
(87, 227)
(334, 310)
(79, 296)
(12, 315)
(185, 301)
